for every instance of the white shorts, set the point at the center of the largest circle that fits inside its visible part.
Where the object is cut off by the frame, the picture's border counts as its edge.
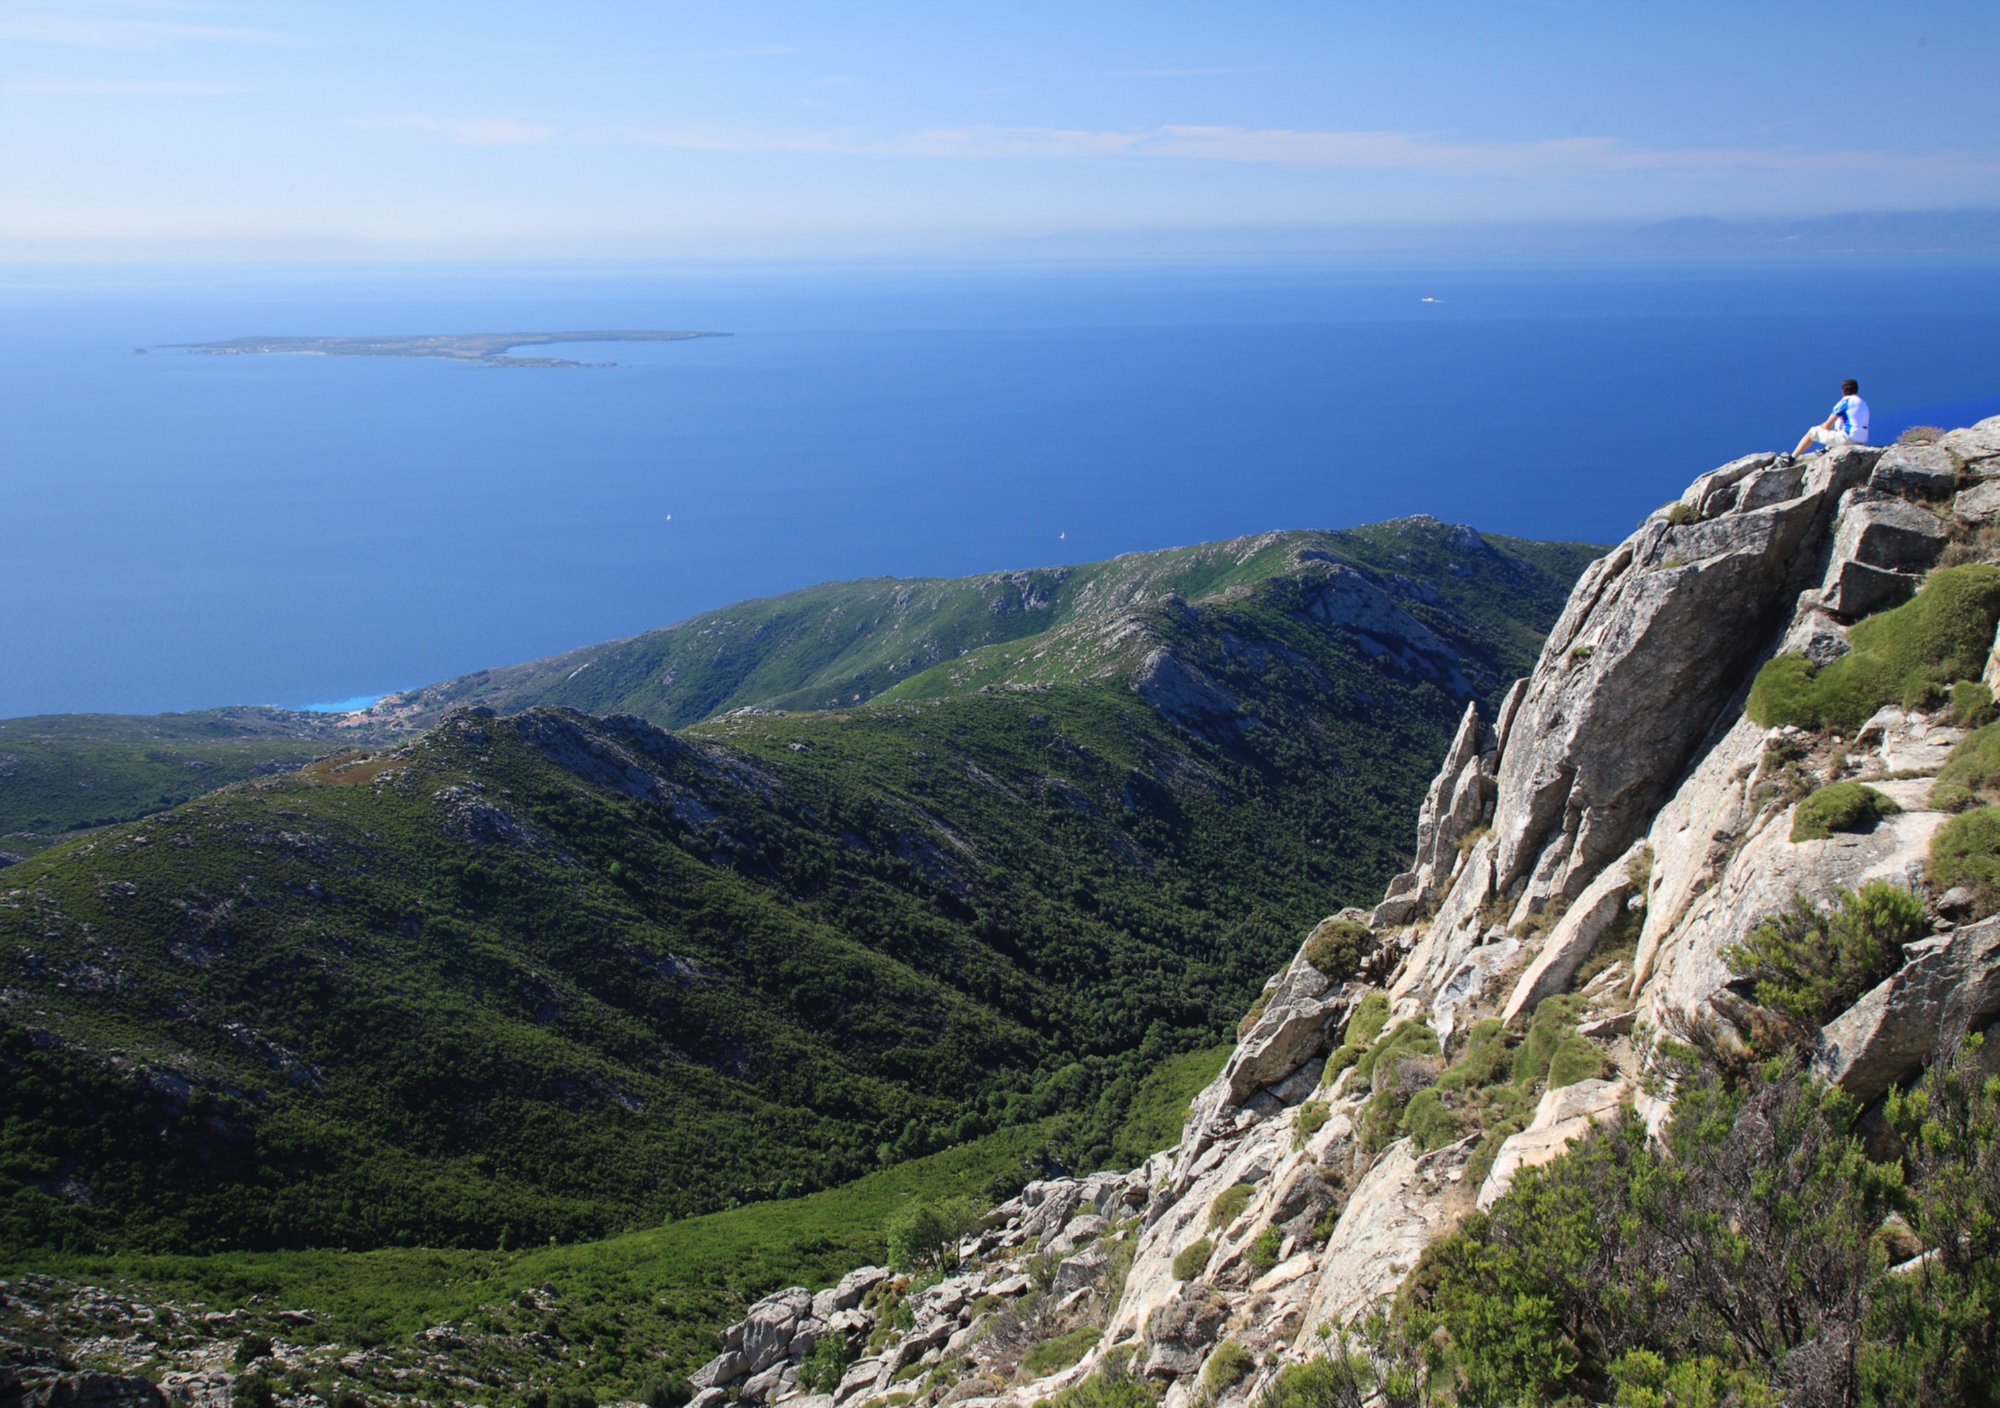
(1832, 439)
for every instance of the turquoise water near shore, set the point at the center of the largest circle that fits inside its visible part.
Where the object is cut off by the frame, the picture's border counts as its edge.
(180, 530)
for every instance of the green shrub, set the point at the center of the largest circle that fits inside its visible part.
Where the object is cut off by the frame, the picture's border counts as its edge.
(1264, 1251)
(1325, 1382)
(1104, 1390)
(820, 1373)
(1810, 964)
(1647, 1380)
(1576, 1058)
(1229, 1204)
(923, 1233)
(1966, 851)
(1842, 806)
(1191, 1260)
(1555, 1018)
(1229, 1364)
(1310, 1119)
(1410, 1038)
(251, 1347)
(1971, 704)
(1971, 774)
(1940, 636)
(1337, 947)
(1485, 1060)
(1371, 1014)
(1052, 1356)
(1488, 1149)
(1427, 1120)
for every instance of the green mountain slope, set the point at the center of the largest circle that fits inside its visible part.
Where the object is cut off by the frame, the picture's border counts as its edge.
(842, 643)
(68, 772)
(554, 975)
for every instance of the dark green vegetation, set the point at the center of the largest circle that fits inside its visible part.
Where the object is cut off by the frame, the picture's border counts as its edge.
(1810, 964)
(1337, 947)
(624, 1305)
(487, 348)
(550, 976)
(1742, 1262)
(842, 643)
(1908, 656)
(61, 773)
(1841, 806)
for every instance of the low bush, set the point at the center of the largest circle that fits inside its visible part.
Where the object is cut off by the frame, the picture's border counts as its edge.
(820, 1373)
(1229, 1364)
(1810, 964)
(1337, 947)
(923, 1233)
(1052, 1356)
(1842, 806)
(1576, 1058)
(1191, 1260)
(1264, 1251)
(1555, 1019)
(1427, 1120)
(1344, 1381)
(1904, 655)
(1921, 435)
(251, 1347)
(1485, 1061)
(1229, 1205)
(1966, 851)
(1971, 774)
(1971, 704)
(1310, 1119)
(1103, 1391)
(1380, 1064)
(1370, 1016)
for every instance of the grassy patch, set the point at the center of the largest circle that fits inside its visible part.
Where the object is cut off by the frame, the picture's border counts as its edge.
(1229, 1364)
(1971, 775)
(1337, 947)
(1190, 1260)
(1971, 704)
(1052, 1356)
(1370, 1016)
(1310, 1119)
(1966, 851)
(1906, 656)
(1228, 1205)
(1843, 806)
(1810, 964)
(1554, 1020)
(1103, 1391)
(1264, 1250)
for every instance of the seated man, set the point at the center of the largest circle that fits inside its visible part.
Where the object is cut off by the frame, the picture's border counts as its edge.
(1848, 425)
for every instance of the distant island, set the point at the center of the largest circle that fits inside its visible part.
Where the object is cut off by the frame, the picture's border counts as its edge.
(488, 348)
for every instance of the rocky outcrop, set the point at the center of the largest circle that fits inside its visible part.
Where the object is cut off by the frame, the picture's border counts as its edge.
(1949, 986)
(1565, 1115)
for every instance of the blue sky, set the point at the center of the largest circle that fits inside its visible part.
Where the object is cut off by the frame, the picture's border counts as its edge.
(589, 130)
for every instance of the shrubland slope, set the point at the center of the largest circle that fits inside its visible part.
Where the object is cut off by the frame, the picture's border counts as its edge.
(556, 975)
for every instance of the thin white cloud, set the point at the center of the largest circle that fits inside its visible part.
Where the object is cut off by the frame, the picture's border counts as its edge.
(1401, 151)
(478, 132)
(75, 28)
(118, 88)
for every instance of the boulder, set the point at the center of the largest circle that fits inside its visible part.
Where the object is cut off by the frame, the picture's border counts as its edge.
(1980, 504)
(1563, 1116)
(726, 1367)
(769, 1326)
(1928, 470)
(1948, 986)
(1076, 1272)
(862, 1375)
(1976, 447)
(1180, 1332)
(854, 1285)
(1881, 547)
(1574, 936)
(1292, 1029)
(761, 1386)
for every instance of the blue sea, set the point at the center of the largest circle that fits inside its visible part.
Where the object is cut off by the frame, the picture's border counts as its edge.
(178, 530)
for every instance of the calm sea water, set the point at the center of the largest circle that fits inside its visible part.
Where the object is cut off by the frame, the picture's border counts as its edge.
(179, 530)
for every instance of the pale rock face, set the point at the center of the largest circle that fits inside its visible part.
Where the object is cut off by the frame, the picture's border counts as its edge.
(1980, 504)
(1574, 936)
(1563, 1116)
(1950, 986)
(1405, 1202)
(1467, 982)
(1976, 447)
(1880, 550)
(1293, 1028)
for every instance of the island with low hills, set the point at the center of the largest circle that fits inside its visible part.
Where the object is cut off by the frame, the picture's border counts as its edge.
(486, 348)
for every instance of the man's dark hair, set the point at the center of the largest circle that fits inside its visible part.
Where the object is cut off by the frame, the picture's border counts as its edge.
(1850, 387)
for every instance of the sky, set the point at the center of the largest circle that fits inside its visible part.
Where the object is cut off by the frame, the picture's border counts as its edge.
(234, 129)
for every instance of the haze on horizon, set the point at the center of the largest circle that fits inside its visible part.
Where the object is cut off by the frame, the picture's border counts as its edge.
(229, 130)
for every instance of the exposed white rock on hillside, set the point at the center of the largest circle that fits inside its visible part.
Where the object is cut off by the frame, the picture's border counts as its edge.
(1604, 840)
